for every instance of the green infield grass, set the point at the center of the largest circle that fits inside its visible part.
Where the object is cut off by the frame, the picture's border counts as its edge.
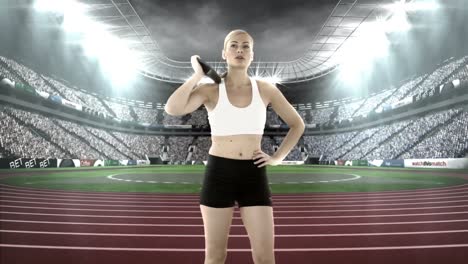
(96, 179)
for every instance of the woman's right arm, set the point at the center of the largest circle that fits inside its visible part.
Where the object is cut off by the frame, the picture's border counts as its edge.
(185, 99)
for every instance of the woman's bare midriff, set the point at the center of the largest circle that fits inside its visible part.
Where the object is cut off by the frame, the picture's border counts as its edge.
(235, 146)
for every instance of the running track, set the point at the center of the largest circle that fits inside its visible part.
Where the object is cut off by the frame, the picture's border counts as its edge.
(45, 226)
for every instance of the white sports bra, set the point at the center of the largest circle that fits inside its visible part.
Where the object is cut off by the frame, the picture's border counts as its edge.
(226, 119)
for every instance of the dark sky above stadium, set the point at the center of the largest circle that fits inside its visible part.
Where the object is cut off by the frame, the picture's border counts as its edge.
(282, 30)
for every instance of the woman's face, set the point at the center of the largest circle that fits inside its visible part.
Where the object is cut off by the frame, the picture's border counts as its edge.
(238, 50)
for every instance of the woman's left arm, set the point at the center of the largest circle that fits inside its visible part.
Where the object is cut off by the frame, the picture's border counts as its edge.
(287, 112)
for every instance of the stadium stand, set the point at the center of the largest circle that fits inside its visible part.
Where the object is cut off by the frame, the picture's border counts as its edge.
(442, 133)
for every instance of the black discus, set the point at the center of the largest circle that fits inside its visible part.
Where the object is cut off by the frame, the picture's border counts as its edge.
(210, 72)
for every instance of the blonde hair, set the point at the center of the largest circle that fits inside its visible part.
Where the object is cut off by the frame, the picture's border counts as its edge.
(236, 32)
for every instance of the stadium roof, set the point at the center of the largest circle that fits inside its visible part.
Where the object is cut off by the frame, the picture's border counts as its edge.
(346, 23)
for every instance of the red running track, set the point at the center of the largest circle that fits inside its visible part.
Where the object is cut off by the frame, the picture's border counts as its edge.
(45, 226)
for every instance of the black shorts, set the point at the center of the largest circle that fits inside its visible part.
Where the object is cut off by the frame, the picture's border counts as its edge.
(230, 180)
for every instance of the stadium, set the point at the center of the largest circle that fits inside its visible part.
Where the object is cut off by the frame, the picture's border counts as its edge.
(94, 170)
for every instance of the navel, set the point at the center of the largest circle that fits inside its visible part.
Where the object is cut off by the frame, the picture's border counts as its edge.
(240, 154)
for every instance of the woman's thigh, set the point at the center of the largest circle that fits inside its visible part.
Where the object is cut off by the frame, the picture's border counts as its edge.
(217, 223)
(258, 221)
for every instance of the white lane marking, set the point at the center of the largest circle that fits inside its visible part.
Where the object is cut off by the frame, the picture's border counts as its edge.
(195, 205)
(275, 198)
(113, 177)
(355, 177)
(339, 180)
(233, 250)
(235, 211)
(241, 226)
(446, 189)
(175, 197)
(312, 201)
(199, 217)
(84, 193)
(105, 216)
(232, 235)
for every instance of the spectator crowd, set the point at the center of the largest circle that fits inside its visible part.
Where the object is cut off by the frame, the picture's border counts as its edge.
(25, 133)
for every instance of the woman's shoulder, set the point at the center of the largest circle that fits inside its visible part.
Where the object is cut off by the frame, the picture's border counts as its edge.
(266, 88)
(208, 89)
(207, 86)
(210, 86)
(267, 91)
(262, 84)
